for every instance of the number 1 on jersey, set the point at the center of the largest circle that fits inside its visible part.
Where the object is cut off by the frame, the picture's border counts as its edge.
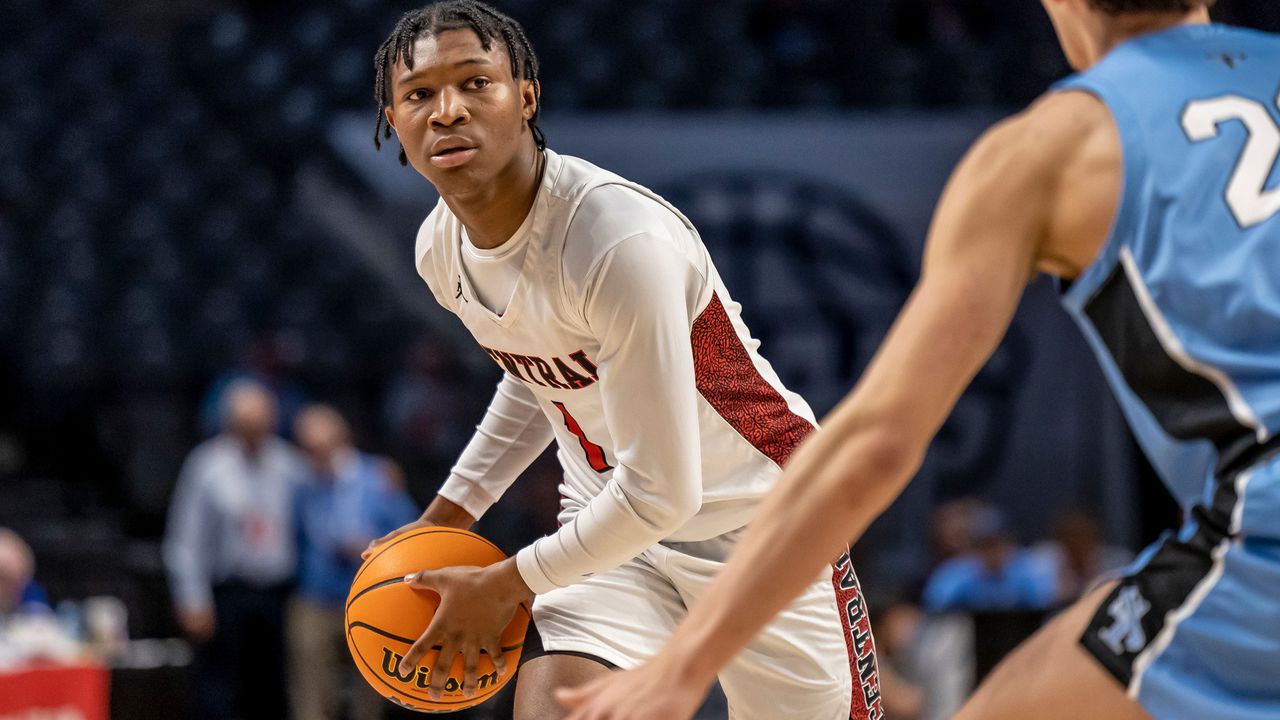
(1250, 201)
(595, 453)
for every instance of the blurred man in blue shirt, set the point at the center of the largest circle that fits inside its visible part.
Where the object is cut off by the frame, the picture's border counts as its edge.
(996, 574)
(348, 499)
(230, 551)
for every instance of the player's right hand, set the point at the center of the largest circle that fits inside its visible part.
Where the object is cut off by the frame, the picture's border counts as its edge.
(441, 513)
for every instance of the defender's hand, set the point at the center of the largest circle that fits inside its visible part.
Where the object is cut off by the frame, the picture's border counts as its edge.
(657, 690)
(441, 513)
(476, 604)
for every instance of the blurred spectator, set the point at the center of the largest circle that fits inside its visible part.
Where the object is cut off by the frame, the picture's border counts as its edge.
(230, 551)
(1078, 555)
(996, 575)
(348, 499)
(897, 635)
(19, 591)
(951, 531)
(926, 661)
(269, 363)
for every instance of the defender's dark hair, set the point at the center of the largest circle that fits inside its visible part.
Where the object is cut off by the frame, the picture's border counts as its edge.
(1120, 7)
(487, 23)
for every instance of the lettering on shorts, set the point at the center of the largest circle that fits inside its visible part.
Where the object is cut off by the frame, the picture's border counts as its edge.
(862, 646)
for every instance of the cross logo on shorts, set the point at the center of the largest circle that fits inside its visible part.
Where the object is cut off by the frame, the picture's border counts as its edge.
(1126, 634)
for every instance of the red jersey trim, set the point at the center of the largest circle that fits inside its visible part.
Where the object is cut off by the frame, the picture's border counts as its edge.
(730, 382)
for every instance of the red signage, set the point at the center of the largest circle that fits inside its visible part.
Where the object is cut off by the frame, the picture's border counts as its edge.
(54, 693)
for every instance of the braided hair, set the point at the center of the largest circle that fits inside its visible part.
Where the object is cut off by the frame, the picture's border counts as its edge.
(487, 23)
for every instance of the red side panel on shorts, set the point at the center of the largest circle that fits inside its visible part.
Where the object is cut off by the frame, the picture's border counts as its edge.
(865, 703)
(729, 381)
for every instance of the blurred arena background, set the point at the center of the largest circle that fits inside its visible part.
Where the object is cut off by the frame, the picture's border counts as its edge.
(189, 196)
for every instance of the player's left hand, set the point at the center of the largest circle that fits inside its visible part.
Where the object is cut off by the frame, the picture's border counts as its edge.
(657, 690)
(476, 604)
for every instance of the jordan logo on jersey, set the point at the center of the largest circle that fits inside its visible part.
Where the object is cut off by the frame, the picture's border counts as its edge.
(555, 373)
(1126, 634)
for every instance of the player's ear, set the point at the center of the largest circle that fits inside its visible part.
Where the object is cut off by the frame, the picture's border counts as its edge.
(391, 117)
(530, 96)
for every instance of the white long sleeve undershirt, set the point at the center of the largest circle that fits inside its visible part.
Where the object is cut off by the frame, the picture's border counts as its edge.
(639, 306)
(639, 299)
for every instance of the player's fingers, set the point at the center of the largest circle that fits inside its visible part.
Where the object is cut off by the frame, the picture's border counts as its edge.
(493, 648)
(583, 712)
(409, 663)
(568, 697)
(470, 669)
(430, 638)
(422, 580)
(574, 697)
(444, 661)
(373, 544)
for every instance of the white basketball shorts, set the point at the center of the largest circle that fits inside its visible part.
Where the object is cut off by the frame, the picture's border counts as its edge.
(815, 661)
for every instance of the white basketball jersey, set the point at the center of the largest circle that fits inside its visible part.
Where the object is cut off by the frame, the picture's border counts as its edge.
(670, 425)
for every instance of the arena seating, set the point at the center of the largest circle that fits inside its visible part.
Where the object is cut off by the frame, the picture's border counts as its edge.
(146, 178)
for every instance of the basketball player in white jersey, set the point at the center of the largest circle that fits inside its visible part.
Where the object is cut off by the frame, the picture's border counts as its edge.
(618, 341)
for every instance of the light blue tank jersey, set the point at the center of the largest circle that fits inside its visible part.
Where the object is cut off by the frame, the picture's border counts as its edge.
(1182, 306)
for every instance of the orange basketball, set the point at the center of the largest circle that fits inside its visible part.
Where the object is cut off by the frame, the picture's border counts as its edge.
(385, 617)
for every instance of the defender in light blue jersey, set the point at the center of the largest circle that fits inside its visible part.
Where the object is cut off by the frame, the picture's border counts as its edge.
(1148, 184)
(1182, 307)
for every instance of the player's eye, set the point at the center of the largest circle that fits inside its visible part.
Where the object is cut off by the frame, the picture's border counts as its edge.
(418, 94)
(479, 83)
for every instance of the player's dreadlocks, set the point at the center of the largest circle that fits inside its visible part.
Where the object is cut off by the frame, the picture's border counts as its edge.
(485, 21)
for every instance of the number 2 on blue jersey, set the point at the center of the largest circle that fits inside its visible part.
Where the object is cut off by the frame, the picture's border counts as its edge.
(1250, 202)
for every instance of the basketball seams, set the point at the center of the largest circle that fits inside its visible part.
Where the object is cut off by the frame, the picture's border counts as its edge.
(371, 588)
(390, 636)
(386, 634)
(393, 582)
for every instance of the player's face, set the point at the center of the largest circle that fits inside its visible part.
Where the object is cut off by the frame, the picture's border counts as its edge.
(460, 115)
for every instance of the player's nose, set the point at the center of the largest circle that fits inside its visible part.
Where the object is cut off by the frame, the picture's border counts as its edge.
(450, 109)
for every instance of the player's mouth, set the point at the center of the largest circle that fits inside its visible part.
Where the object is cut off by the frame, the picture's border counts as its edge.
(449, 154)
